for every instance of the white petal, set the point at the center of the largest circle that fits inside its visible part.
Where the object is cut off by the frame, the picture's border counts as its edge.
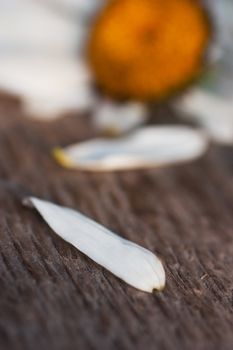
(113, 118)
(135, 265)
(148, 147)
(222, 12)
(221, 52)
(28, 26)
(212, 112)
(48, 86)
(83, 9)
(38, 58)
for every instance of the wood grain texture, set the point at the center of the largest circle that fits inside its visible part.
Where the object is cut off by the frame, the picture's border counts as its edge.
(53, 297)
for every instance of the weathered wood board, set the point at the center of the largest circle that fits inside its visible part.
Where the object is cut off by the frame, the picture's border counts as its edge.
(53, 297)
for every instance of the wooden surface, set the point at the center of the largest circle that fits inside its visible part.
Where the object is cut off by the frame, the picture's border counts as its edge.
(53, 297)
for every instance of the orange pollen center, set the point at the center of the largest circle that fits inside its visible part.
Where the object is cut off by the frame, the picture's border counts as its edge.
(147, 49)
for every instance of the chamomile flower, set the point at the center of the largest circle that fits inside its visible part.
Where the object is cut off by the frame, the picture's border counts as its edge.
(52, 53)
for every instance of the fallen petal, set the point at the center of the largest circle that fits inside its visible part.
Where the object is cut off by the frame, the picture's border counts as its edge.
(133, 264)
(148, 147)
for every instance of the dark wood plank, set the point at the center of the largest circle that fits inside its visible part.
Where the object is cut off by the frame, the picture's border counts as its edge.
(53, 297)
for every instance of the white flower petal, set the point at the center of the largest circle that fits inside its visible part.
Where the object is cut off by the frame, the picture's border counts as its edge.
(148, 147)
(114, 118)
(83, 9)
(48, 86)
(212, 112)
(38, 61)
(135, 265)
(28, 26)
(221, 52)
(222, 12)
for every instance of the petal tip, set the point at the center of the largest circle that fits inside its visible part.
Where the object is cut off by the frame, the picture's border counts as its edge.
(61, 158)
(27, 202)
(160, 287)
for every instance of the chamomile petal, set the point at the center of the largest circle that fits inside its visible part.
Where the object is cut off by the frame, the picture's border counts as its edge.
(130, 262)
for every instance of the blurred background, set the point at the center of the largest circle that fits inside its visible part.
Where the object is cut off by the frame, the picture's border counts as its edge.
(44, 61)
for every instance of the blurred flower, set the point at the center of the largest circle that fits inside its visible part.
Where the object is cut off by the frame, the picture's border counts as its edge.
(42, 46)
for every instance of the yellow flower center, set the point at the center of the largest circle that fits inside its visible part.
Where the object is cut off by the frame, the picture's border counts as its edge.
(146, 49)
